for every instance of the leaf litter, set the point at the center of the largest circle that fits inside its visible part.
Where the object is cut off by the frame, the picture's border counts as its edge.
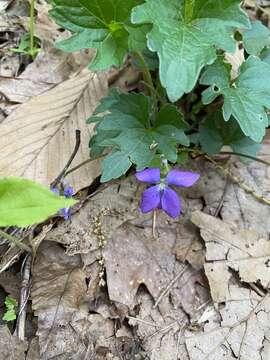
(105, 288)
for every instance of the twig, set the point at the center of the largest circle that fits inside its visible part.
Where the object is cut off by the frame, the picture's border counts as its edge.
(82, 164)
(222, 197)
(238, 181)
(154, 224)
(31, 28)
(169, 286)
(246, 156)
(24, 296)
(74, 153)
(144, 322)
(15, 241)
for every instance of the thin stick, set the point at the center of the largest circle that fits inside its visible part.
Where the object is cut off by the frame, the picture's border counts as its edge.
(154, 223)
(169, 286)
(31, 27)
(24, 296)
(15, 241)
(76, 148)
(144, 322)
(246, 156)
(238, 181)
(82, 164)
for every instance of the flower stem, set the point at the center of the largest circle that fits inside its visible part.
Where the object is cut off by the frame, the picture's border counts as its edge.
(147, 77)
(15, 241)
(31, 28)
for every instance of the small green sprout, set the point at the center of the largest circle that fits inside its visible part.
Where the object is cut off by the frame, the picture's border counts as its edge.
(11, 305)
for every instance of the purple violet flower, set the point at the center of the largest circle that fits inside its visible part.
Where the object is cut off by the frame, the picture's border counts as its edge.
(161, 196)
(68, 192)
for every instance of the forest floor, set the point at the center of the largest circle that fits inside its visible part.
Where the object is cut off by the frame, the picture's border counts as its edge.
(104, 285)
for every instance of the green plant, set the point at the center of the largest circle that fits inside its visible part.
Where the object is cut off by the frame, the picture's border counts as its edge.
(191, 100)
(11, 305)
(29, 44)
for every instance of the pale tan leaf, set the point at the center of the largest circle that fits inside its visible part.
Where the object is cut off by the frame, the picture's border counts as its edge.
(241, 333)
(38, 138)
(227, 248)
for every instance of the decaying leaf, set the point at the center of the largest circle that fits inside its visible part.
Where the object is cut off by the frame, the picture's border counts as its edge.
(37, 139)
(12, 348)
(240, 328)
(66, 330)
(244, 251)
(57, 293)
(50, 67)
(242, 333)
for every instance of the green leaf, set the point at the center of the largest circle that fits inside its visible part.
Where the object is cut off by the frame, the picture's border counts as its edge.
(24, 202)
(245, 99)
(9, 315)
(186, 37)
(256, 38)
(128, 130)
(114, 166)
(104, 25)
(11, 305)
(214, 133)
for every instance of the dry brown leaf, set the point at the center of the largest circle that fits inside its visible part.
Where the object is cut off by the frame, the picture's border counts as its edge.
(10, 283)
(50, 67)
(57, 293)
(228, 248)
(237, 206)
(12, 348)
(241, 333)
(66, 330)
(242, 329)
(38, 138)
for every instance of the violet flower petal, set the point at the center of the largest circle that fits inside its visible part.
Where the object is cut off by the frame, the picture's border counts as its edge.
(170, 202)
(181, 178)
(66, 212)
(55, 190)
(68, 192)
(150, 199)
(151, 176)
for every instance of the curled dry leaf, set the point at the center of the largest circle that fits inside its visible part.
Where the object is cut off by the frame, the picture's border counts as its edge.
(227, 248)
(242, 328)
(37, 139)
(243, 332)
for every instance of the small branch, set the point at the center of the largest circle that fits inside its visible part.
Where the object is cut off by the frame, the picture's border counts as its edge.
(238, 181)
(246, 156)
(169, 286)
(31, 28)
(24, 296)
(74, 153)
(13, 240)
(82, 164)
